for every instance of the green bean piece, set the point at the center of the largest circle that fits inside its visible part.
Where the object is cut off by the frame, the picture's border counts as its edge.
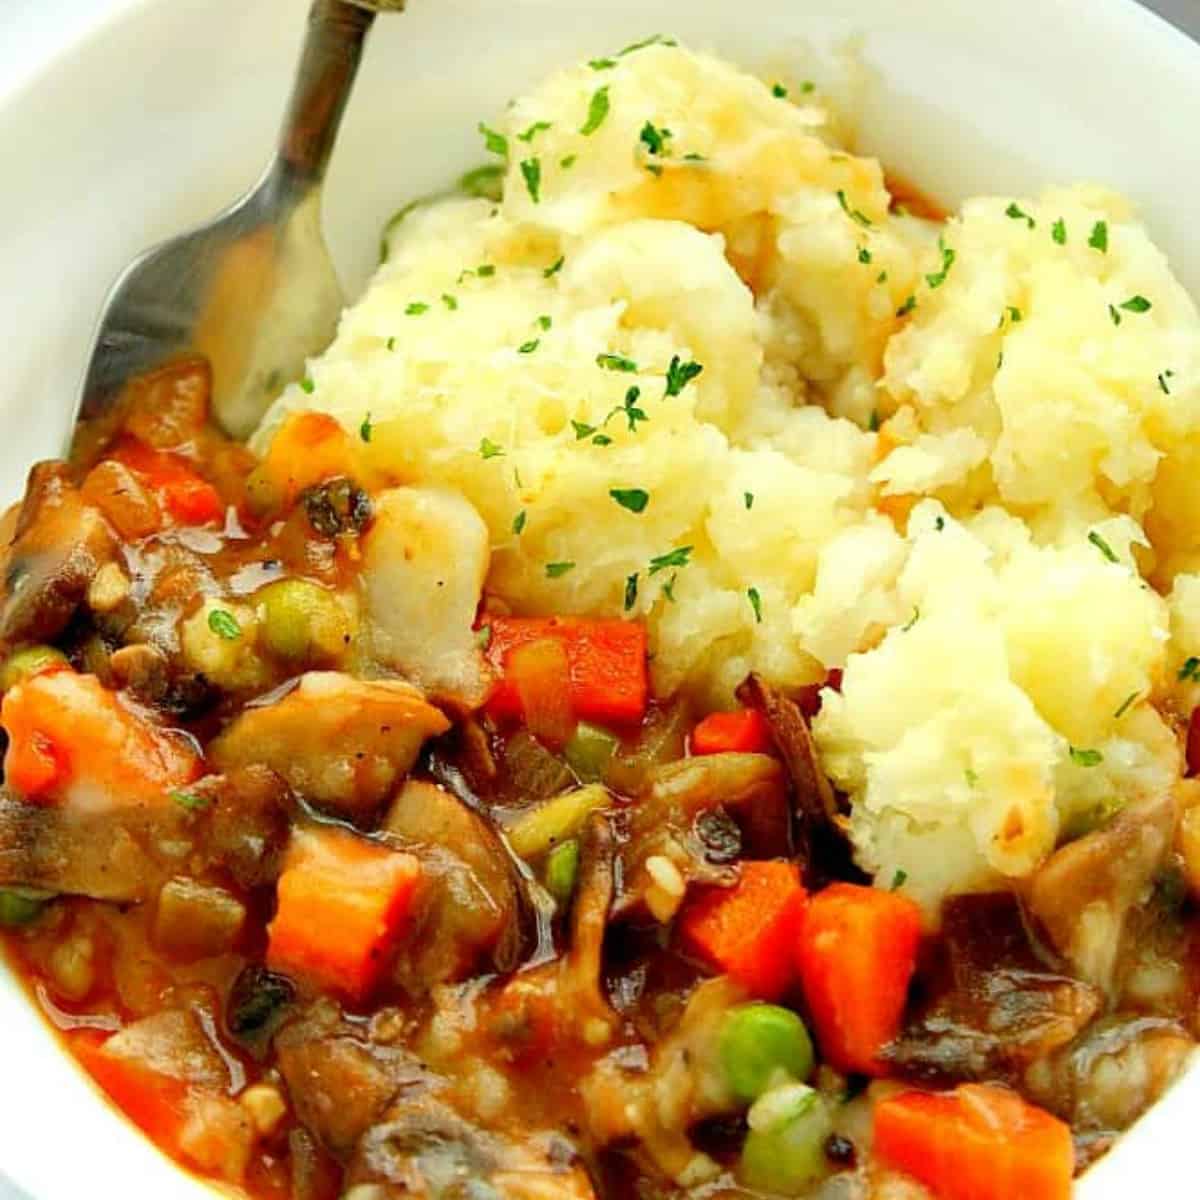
(562, 865)
(763, 1045)
(784, 1152)
(19, 908)
(590, 751)
(27, 661)
(301, 622)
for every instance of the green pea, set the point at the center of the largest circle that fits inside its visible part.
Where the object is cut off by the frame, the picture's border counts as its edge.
(20, 908)
(761, 1045)
(301, 622)
(562, 865)
(589, 752)
(784, 1152)
(29, 660)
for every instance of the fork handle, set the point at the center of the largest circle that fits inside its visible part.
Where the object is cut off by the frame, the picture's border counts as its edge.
(333, 47)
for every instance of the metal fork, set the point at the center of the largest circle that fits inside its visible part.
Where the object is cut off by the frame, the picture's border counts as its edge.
(254, 289)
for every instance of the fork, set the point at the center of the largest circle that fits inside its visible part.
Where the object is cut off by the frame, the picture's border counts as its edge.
(254, 289)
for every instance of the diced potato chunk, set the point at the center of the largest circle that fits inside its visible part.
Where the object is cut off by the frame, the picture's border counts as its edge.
(196, 920)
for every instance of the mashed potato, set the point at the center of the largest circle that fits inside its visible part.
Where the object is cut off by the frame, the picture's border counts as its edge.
(693, 370)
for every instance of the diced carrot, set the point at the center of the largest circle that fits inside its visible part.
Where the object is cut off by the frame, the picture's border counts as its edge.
(189, 499)
(606, 660)
(1193, 743)
(749, 931)
(979, 1142)
(154, 1102)
(745, 732)
(342, 901)
(856, 955)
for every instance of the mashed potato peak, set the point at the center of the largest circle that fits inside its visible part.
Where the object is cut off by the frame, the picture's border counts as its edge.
(945, 459)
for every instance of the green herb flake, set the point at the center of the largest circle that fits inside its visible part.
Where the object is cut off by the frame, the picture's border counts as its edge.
(907, 307)
(1190, 671)
(531, 172)
(483, 637)
(779, 91)
(634, 499)
(224, 625)
(364, 430)
(1116, 316)
(597, 111)
(1086, 758)
(899, 878)
(518, 523)
(668, 588)
(416, 308)
(1125, 706)
(678, 557)
(971, 777)
(629, 408)
(532, 132)
(748, 500)
(948, 256)
(391, 343)
(1014, 315)
(808, 87)
(1162, 382)
(496, 143)
(529, 347)
(1137, 304)
(859, 218)
(864, 255)
(1102, 546)
(489, 449)
(873, 421)
(544, 322)
(450, 302)
(616, 362)
(1016, 213)
(881, 277)
(1058, 231)
(680, 374)
(655, 39)
(693, 157)
(631, 591)
(1099, 237)
(654, 138)
(602, 64)
(755, 603)
(568, 161)
(485, 271)
(483, 183)
(556, 570)
(307, 385)
(602, 439)
(916, 616)
(940, 524)
(554, 267)
(582, 430)
(192, 801)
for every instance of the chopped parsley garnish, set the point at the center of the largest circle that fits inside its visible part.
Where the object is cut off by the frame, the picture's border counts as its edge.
(582, 430)
(554, 267)
(1102, 546)
(307, 385)
(1099, 237)
(755, 603)
(450, 302)
(544, 322)
(1125, 705)
(916, 616)
(483, 637)
(680, 374)
(748, 500)
(1058, 231)
(616, 362)
(224, 624)
(1016, 213)
(496, 143)
(873, 421)
(864, 255)
(532, 132)
(654, 138)
(907, 307)
(673, 558)
(1137, 304)
(948, 256)
(631, 591)
(971, 776)
(391, 343)
(1116, 316)
(668, 588)
(1190, 670)
(190, 800)
(597, 111)
(529, 347)
(568, 161)
(1014, 314)
(654, 169)
(1086, 758)
(881, 277)
(808, 87)
(1162, 382)
(602, 439)
(629, 407)
(518, 523)
(364, 430)
(940, 524)
(655, 39)
(634, 499)
(779, 91)
(602, 64)
(859, 218)
(899, 878)
(485, 270)
(555, 570)
(416, 308)
(483, 183)
(531, 172)
(692, 156)
(489, 449)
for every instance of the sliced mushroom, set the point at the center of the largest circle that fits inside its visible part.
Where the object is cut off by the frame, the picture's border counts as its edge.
(1084, 893)
(340, 743)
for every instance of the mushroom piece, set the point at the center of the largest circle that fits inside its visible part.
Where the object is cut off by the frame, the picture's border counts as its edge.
(1085, 892)
(425, 558)
(340, 743)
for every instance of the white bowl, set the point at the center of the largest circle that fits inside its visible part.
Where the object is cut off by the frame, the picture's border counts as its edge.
(156, 118)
